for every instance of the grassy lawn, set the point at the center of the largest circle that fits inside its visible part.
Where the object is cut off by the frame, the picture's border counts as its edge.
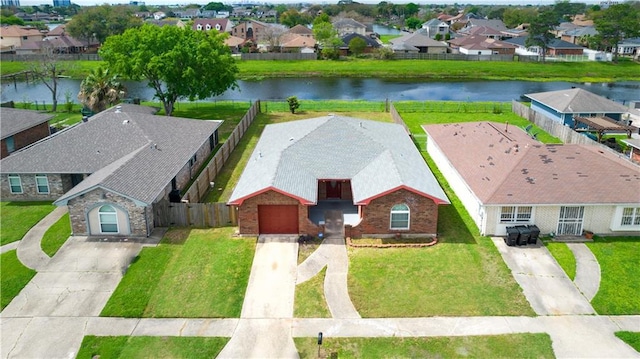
(421, 69)
(14, 276)
(631, 338)
(206, 268)
(150, 347)
(496, 346)
(310, 301)
(385, 38)
(17, 218)
(618, 258)
(563, 256)
(56, 235)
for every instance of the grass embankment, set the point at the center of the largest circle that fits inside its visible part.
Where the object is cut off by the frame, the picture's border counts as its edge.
(418, 69)
(150, 347)
(618, 258)
(310, 301)
(497, 346)
(208, 269)
(631, 338)
(14, 276)
(17, 218)
(56, 235)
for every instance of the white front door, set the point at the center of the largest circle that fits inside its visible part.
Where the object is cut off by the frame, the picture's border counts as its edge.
(570, 221)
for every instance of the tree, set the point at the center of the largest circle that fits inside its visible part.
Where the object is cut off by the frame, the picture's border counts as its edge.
(292, 18)
(324, 33)
(48, 70)
(100, 22)
(178, 63)
(513, 17)
(413, 23)
(411, 9)
(293, 103)
(615, 24)
(357, 46)
(100, 89)
(272, 35)
(11, 20)
(540, 31)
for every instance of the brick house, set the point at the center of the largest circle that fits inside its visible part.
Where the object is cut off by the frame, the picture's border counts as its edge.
(110, 170)
(504, 178)
(21, 128)
(369, 170)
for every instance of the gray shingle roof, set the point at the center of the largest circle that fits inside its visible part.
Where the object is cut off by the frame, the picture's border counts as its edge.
(13, 120)
(128, 151)
(418, 40)
(577, 101)
(377, 157)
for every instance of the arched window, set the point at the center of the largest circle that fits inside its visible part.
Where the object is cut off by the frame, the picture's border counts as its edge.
(108, 219)
(400, 216)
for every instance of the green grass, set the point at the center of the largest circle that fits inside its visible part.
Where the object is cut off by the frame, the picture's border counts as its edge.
(385, 38)
(631, 338)
(563, 256)
(620, 275)
(150, 347)
(14, 277)
(56, 235)
(310, 301)
(524, 345)
(17, 218)
(206, 268)
(419, 69)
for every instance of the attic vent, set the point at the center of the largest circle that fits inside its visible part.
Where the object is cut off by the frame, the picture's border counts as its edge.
(125, 121)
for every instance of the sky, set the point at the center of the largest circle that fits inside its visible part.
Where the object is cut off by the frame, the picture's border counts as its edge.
(203, 2)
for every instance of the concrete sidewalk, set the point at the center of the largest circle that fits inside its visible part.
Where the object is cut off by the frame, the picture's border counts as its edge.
(587, 270)
(29, 251)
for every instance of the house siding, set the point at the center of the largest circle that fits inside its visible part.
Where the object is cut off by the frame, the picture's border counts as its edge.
(188, 172)
(29, 190)
(248, 213)
(26, 137)
(376, 216)
(81, 213)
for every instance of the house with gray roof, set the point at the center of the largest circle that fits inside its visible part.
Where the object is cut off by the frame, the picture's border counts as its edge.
(370, 171)
(435, 27)
(111, 169)
(423, 43)
(505, 178)
(349, 26)
(555, 47)
(20, 128)
(563, 105)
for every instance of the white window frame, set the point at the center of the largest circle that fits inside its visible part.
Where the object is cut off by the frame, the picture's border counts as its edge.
(633, 216)
(518, 214)
(41, 176)
(108, 213)
(395, 211)
(9, 178)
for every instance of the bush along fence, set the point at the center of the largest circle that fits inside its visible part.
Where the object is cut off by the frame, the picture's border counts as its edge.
(191, 212)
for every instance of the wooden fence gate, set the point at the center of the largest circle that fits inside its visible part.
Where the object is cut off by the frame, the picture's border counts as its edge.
(170, 214)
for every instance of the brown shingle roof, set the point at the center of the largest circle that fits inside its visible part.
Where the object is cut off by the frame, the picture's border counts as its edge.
(508, 167)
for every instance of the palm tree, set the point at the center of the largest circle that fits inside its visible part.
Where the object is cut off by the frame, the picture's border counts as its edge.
(100, 89)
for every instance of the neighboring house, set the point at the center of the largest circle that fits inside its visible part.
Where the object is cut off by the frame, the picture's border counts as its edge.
(562, 105)
(21, 128)
(166, 22)
(111, 170)
(290, 42)
(423, 43)
(15, 36)
(579, 35)
(234, 43)
(493, 24)
(630, 47)
(250, 30)
(480, 45)
(159, 15)
(301, 31)
(484, 31)
(634, 149)
(369, 170)
(220, 25)
(349, 26)
(504, 178)
(435, 27)
(241, 12)
(372, 44)
(555, 47)
(187, 14)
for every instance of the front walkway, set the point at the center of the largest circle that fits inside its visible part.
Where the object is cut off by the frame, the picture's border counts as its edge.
(29, 251)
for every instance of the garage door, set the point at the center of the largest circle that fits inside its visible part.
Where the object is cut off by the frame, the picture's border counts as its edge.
(278, 219)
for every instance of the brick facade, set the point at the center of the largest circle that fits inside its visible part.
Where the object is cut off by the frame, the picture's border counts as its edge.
(27, 137)
(79, 208)
(376, 216)
(248, 213)
(58, 185)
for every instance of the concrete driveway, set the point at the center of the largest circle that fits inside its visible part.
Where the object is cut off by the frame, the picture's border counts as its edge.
(47, 318)
(544, 283)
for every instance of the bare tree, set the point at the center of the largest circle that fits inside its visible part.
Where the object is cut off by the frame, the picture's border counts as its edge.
(48, 69)
(272, 35)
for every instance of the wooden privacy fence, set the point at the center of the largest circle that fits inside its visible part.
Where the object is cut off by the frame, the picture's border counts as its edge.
(169, 214)
(202, 183)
